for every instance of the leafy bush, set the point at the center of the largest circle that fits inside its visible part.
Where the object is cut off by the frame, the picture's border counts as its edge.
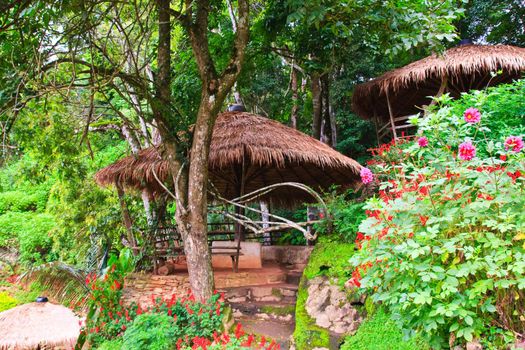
(29, 232)
(150, 331)
(379, 332)
(347, 213)
(7, 302)
(442, 246)
(179, 322)
(21, 201)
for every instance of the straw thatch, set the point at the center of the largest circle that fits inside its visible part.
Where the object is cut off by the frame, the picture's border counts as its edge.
(466, 67)
(38, 326)
(272, 153)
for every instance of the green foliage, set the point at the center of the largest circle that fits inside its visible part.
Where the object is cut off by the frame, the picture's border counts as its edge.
(442, 246)
(7, 302)
(29, 232)
(503, 108)
(379, 332)
(494, 21)
(22, 201)
(115, 344)
(150, 331)
(346, 215)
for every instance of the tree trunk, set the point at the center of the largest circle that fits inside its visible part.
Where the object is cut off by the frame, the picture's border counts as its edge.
(198, 255)
(295, 99)
(317, 106)
(327, 124)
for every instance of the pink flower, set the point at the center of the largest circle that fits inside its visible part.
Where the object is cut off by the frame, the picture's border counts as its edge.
(514, 143)
(366, 176)
(472, 115)
(467, 151)
(422, 141)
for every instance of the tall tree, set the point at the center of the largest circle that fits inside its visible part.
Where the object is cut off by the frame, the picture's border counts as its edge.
(494, 21)
(325, 38)
(109, 49)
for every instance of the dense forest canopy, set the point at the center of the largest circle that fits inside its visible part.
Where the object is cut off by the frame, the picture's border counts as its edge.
(86, 82)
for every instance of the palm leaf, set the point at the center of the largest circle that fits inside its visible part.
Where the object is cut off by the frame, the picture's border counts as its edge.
(61, 282)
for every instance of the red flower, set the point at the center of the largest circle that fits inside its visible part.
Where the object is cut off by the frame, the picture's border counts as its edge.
(238, 331)
(423, 219)
(514, 175)
(248, 342)
(503, 157)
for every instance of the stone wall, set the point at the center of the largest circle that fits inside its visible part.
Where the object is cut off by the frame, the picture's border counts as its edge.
(141, 287)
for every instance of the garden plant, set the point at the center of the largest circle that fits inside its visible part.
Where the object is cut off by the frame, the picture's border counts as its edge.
(442, 247)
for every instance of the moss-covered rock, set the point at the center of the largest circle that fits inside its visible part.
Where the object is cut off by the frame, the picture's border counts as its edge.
(307, 334)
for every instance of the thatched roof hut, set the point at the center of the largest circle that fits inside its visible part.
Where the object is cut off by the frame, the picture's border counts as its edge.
(271, 152)
(38, 326)
(457, 70)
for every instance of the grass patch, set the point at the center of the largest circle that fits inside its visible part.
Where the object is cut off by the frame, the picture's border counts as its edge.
(379, 332)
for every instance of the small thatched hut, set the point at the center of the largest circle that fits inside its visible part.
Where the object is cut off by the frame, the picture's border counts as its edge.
(247, 153)
(389, 99)
(38, 326)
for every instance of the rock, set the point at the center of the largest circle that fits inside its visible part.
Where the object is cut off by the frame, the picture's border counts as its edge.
(269, 298)
(474, 345)
(237, 300)
(330, 307)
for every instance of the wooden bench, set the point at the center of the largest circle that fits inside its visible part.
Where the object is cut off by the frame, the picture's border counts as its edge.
(167, 243)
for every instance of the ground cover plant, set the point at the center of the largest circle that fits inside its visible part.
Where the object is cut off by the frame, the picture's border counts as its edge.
(379, 332)
(442, 247)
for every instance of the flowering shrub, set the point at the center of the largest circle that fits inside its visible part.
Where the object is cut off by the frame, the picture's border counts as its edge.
(442, 245)
(174, 322)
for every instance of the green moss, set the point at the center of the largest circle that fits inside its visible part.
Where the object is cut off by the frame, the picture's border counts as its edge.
(279, 310)
(330, 258)
(307, 334)
(379, 332)
(276, 292)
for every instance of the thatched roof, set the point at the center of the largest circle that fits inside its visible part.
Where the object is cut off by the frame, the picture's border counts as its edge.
(467, 67)
(272, 152)
(38, 326)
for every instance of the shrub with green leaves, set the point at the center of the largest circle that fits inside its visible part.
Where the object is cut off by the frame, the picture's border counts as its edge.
(153, 331)
(442, 246)
(29, 232)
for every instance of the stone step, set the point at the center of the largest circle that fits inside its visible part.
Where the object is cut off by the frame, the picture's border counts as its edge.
(282, 314)
(274, 292)
(270, 329)
(281, 308)
(294, 277)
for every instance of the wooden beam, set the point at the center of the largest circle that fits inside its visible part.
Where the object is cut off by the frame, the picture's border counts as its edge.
(392, 122)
